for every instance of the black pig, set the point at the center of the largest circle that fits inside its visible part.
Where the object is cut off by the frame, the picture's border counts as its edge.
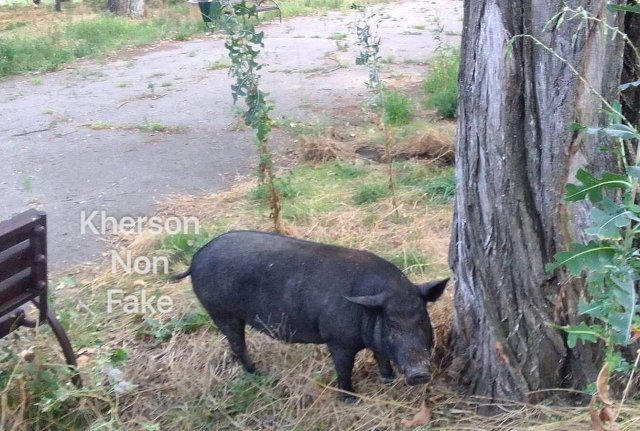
(304, 292)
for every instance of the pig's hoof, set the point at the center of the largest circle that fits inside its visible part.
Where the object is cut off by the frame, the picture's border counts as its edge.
(349, 398)
(387, 380)
(249, 368)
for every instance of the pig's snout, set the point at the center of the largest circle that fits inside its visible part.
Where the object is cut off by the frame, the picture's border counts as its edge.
(416, 376)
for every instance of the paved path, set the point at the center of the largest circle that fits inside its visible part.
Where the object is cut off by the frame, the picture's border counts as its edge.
(52, 159)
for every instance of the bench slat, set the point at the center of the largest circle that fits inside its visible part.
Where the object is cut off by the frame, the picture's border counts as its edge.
(19, 228)
(16, 258)
(16, 290)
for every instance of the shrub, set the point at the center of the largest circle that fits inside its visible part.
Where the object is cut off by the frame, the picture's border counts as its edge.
(397, 109)
(441, 84)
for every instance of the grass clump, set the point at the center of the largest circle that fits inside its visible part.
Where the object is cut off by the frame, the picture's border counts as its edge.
(67, 41)
(286, 189)
(188, 323)
(436, 186)
(182, 246)
(153, 126)
(30, 54)
(410, 261)
(369, 193)
(397, 109)
(345, 171)
(221, 63)
(245, 391)
(441, 84)
(440, 188)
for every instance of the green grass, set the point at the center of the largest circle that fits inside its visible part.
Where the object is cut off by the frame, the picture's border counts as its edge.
(410, 261)
(338, 36)
(441, 188)
(433, 186)
(397, 109)
(152, 126)
(90, 38)
(310, 190)
(221, 63)
(344, 171)
(26, 51)
(441, 83)
(163, 331)
(287, 190)
(245, 391)
(101, 125)
(182, 246)
(14, 25)
(369, 193)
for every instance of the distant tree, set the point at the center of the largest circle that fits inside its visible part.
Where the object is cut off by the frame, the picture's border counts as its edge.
(57, 6)
(132, 8)
(516, 150)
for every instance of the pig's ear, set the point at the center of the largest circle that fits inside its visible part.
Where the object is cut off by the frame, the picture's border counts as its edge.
(432, 290)
(370, 301)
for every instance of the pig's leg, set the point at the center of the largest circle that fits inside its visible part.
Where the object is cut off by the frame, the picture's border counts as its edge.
(343, 360)
(233, 329)
(384, 367)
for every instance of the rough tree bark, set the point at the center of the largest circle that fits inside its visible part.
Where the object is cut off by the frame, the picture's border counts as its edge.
(515, 152)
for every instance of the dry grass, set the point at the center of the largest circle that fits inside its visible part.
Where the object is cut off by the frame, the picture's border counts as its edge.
(191, 383)
(188, 381)
(435, 143)
(321, 149)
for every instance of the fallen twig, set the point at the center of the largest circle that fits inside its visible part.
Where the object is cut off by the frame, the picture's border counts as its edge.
(32, 131)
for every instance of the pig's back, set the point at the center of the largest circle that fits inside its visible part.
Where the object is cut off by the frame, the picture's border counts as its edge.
(271, 281)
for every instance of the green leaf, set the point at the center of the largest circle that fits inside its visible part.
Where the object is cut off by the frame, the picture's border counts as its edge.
(621, 131)
(577, 127)
(593, 256)
(609, 220)
(624, 289)
(624, 8)
(592, 187)
(582, 332)
(616, 115)
(595, 309)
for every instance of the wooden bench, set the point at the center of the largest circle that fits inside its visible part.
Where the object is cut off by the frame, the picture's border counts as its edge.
(211, 11)
(23, 280)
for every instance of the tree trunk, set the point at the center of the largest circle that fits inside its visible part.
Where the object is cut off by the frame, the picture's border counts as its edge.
(132, 8)
(515, 152)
